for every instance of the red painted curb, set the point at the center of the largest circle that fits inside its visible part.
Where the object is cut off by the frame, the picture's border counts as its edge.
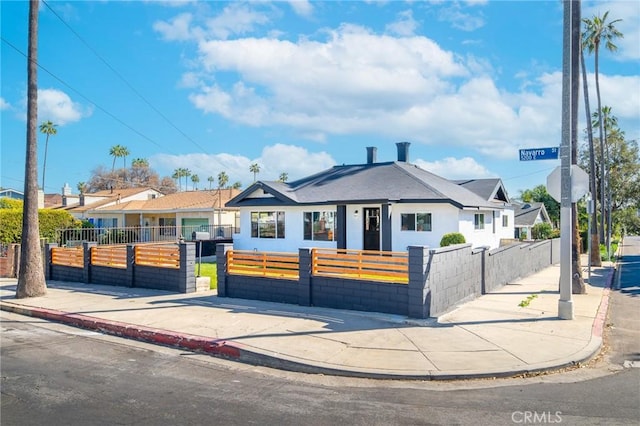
(120, 329)
(601, 316)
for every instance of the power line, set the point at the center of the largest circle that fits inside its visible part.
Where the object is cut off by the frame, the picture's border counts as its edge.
(133, 89)
(85, 97)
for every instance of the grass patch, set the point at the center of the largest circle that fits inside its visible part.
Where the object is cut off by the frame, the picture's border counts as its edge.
(209, 270)
(527, 301)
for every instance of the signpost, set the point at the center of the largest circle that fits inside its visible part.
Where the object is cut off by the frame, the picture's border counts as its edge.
(539, 154)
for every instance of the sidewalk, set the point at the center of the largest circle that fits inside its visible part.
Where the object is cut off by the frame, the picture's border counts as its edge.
(488, 337)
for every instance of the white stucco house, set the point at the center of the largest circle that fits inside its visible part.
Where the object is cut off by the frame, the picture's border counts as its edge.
(372, 206)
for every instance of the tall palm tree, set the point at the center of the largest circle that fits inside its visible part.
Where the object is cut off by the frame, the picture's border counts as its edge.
(186, 173)
(117, 151)
(140, 162)
(195, 179)
(49, 129)
(223, 180)
(596, 31)
(595, 237)
(176, 176)
(124, 152)
(82, 186)
(31, 282)
(210, 179)
(255, 169)
(284, 176)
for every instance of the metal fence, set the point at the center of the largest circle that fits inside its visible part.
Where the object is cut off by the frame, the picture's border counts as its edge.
(141, 234)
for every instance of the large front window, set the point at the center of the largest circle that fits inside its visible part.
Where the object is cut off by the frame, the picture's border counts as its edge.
(267, 225)
(415, 222)
(319, 226)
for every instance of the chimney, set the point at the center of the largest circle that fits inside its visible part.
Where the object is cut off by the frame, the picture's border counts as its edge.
(403, 151)
(371, 154)
(81, 201)
(66, 189)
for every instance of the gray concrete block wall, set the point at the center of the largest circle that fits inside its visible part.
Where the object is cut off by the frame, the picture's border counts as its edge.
(66, 273)
(110, 276)
(360, 295)
(262, 288)
(454, 276)
(509, 263)
(157, 278)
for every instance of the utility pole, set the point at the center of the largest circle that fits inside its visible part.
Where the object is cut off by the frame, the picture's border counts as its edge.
(571, 30)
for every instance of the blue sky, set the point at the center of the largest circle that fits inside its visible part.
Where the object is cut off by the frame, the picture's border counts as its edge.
(301, 86)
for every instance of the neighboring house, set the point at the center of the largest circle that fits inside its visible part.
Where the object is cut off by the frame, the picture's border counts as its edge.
(90, 202)
(527, 215)
(11, 193)
(173, 215)
(372, 206)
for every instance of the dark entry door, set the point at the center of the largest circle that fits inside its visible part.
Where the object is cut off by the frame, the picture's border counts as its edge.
(371, 228)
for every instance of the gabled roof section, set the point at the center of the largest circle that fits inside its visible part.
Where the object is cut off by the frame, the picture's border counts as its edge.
(490, 189)
(372, 182)
(525, 214)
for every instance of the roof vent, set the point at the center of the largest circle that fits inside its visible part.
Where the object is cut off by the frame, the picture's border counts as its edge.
(403, 151)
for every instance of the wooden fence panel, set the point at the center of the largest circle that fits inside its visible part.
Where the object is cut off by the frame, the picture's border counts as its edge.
(65, 256)
(161, 256)
(111, 256)
(361, 264)
(264, 264)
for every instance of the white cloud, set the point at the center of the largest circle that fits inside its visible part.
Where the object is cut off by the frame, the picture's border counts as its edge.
(404, 25)
(4, 104)
(296, 161)
(459, 19)
(629, 26)
(302, 7)
(179, 28)
(58, 107)
(455, 168)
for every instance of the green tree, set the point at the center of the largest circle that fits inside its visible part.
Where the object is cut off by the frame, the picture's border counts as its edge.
(597, 30)
(223, 180)
(49, 129)
(539, 194)
(210, 179)
(186, 173)
(195, 179)
(31, 282)
(255, 169)
(284, 176)
(82, 187)
(116, 152)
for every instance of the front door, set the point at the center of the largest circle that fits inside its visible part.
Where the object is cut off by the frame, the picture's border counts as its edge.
(371, 228)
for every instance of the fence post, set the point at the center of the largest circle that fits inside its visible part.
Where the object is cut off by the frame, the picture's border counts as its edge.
(47, 260)
(304, 276)
(187, 282)
(86, 253)
(221, 261)
(131, 261)
(483, 270)
(419, 292)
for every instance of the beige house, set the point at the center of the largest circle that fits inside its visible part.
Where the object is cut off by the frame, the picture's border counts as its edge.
(168, 217)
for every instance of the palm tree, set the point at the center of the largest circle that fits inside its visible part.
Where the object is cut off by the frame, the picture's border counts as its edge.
(255, 169)
(186, 173)
(598, 29)
(49, 129)
(210, 179)
(81, 187)
(195, 179)
(223, 179)
(31, 282)
(284, 176)
(123, 153)
(140, 162)
(176, 176)
(117, 151)
(595, 237)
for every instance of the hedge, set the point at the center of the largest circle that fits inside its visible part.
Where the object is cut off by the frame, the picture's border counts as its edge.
(50, 221)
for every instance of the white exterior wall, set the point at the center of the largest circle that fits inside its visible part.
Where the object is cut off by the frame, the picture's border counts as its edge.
(293, 231)
(486, 236)
(444, 219)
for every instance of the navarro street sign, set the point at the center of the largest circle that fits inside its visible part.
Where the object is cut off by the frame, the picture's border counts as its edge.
(539, 154)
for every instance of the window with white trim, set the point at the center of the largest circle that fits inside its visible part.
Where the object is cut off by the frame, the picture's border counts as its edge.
(478, 221)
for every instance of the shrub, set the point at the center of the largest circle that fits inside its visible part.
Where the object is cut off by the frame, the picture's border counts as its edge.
(50, 222)
(10, 203)
(541, 231)
(452, 238)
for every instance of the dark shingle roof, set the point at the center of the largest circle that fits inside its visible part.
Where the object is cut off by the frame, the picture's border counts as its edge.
(526, 214)
(390, 181)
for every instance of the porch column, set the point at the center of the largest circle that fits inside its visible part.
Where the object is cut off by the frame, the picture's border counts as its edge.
(341, 227)
(385, 226)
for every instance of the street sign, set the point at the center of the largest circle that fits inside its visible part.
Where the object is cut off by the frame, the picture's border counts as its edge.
(579, 183)
(539, 154)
